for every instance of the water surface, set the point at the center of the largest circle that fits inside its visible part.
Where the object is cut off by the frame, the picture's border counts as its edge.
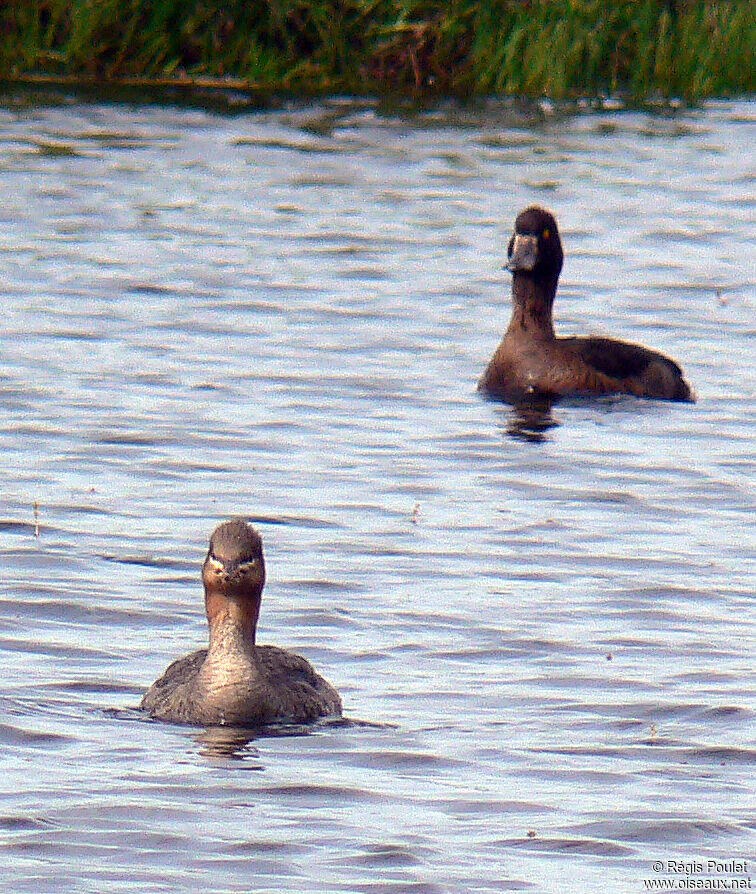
(549, 631)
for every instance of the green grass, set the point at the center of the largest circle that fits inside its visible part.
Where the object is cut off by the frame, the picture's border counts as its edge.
(558, 48)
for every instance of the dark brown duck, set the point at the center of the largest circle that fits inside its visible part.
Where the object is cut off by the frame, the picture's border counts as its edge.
(532, 361)
(235, 681)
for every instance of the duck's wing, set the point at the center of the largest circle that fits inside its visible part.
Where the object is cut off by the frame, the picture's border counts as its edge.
(182, 670)
(644, 372)
(619, 359)
(293, 683)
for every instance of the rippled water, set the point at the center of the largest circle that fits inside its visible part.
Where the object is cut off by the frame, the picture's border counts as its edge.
(548, 636)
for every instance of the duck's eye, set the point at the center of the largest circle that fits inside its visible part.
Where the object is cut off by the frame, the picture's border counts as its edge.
(546, 233)
(215, 563)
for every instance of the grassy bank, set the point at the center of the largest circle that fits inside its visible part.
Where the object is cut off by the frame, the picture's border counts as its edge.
(560, 48)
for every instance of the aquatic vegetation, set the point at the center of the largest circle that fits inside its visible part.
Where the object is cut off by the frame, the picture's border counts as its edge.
(557, 48)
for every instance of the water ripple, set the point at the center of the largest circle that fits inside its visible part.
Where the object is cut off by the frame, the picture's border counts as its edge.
(541, 622)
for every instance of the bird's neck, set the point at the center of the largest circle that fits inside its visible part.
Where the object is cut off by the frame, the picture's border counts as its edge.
(532, 300)
(233, 622)
(230, 673)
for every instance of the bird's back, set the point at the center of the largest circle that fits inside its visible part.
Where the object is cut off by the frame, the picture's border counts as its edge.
(636, 369)
(275, 686)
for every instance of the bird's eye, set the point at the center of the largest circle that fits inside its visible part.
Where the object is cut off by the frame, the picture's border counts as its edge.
(215, 563)
(546, 233)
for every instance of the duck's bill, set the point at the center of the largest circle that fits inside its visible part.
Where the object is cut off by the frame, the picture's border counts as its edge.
(524, 254)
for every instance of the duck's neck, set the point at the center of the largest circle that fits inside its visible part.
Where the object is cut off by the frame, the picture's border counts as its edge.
(230, 670)
(233, 623)
(532, 300)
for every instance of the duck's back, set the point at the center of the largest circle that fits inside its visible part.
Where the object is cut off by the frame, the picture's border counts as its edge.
(281, 687)
(174, 696)
(294, 688)
(636, 369)
(580, 366)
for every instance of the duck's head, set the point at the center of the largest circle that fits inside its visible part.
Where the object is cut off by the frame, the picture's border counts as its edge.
(535, 248)
(234, 567)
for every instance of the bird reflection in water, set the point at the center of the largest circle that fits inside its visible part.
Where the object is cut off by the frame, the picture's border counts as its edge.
(236, 742)
(229, 743)
(530, 419)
